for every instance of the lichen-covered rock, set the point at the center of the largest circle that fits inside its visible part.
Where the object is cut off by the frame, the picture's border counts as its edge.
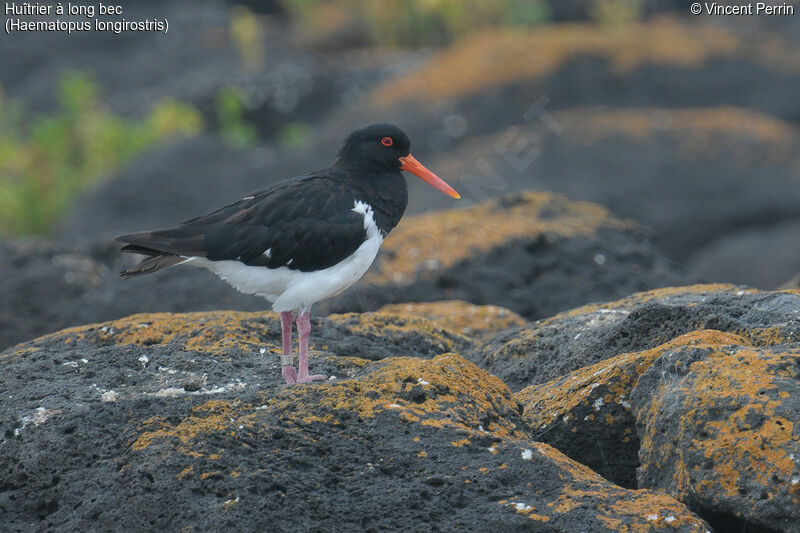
(378, 335)
(719, 424)
(477, 322)
(587, 413)
(707, 414)
(551, 348)
(533, 253)
(492, 58)
(175, 422)
(249, 342)
(581, 366)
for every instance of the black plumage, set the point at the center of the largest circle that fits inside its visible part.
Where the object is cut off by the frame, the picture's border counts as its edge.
(306, 223)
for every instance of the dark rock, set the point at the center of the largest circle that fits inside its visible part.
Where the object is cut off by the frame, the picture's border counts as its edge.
(47, 286)
(718, 428)
(554, 347)
(583, 365)
(174, 182)
(98, 433)
(587, 413)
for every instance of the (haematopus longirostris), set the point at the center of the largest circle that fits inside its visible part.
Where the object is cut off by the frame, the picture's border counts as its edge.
(302, 240)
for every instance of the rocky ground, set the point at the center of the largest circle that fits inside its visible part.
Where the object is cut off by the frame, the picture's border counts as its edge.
(176, 421)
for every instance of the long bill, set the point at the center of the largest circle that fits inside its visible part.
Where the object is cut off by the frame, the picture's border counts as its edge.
(418, 169)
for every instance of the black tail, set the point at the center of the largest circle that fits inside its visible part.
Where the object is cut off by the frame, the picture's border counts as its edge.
(158, 260)
(153, 264)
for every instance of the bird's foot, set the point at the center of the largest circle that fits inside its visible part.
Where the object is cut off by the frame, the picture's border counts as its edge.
(308, 378)
(292, 377)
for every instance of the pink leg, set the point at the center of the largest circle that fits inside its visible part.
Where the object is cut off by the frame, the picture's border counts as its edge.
(289, 374)
(303, 331)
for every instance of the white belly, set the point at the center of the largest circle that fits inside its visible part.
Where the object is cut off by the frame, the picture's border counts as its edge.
(290, 290)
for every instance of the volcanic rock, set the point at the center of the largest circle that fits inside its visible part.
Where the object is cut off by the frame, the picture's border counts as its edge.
(102, 431)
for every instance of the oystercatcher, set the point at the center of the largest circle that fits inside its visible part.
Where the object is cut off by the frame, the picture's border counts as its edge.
(302, 240)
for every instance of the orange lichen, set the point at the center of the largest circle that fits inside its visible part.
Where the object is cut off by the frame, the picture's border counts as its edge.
(498, 56)
(10, 353)
(617, 509)
(610, 381)
(474, 321)
(426, 243)
(730, 402)
(216, 333)
(211, 331)
(448, 391)
(770, 336)
(215, 416)
(383, 324)
(709, 132)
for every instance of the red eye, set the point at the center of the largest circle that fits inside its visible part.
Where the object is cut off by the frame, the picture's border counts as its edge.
(387, 141)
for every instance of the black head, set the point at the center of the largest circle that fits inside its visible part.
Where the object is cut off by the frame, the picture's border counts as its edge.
(384, 147)
(378, 145)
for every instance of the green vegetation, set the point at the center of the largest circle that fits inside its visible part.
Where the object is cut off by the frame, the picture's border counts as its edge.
(412, 22)
(45, 161)
(233, 128)
(293, 134)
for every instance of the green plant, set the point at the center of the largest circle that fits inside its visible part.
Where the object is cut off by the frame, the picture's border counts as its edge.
(230, 114)
(293, 134)
(46, 160)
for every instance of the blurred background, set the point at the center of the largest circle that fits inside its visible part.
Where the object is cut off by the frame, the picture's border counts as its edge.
(686, 124)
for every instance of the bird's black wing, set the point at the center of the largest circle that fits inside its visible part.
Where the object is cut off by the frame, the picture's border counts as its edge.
(305, 224)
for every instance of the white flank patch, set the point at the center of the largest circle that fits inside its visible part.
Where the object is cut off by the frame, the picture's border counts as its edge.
(291, 290)
(527, 454)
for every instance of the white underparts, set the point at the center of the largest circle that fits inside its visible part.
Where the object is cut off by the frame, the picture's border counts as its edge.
(290, 290)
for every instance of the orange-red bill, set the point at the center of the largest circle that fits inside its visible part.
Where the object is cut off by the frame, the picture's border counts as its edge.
(415, 167)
